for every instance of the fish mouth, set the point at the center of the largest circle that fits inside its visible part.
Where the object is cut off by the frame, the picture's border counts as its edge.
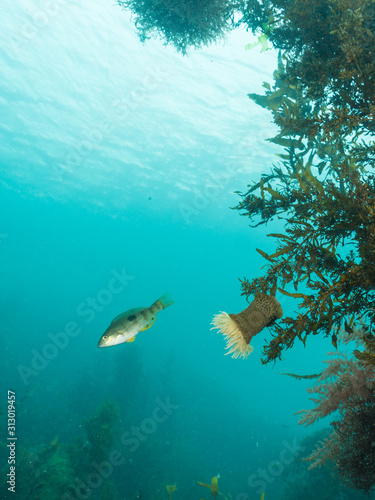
(109, 340)
(103, 343)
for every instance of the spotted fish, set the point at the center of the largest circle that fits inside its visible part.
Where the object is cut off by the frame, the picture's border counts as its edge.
(127, 325)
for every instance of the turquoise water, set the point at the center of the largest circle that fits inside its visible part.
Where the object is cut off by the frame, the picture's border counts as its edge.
(119, 163)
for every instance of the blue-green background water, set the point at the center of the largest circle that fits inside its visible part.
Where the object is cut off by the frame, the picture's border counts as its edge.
(119, 158)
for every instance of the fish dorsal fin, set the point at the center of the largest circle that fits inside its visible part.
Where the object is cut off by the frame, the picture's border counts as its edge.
(127, 313)
(149, 324)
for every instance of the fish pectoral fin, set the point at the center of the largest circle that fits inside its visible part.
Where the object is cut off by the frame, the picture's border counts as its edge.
(149, 324)
(132, 339)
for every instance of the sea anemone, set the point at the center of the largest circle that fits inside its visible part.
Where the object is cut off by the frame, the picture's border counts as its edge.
(240, 328)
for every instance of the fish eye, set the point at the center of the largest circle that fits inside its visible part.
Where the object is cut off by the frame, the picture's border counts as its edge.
(105, 336)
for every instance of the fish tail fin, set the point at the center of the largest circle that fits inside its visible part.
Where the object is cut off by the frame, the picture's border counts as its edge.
(166, 300)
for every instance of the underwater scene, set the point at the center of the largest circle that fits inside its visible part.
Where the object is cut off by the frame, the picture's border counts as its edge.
(187, 249)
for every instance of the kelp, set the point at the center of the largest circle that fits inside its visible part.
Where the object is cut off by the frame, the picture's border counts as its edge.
(345, 391)
(329, 45)
(183, 24)
(323, 190)
(302, 377)
(99, 430)
(63, 469)
(44, 472)
(214, 487)
(170, 489)
(367, 356)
